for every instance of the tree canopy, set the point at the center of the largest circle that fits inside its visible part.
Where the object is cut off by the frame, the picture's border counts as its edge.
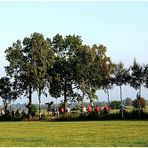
(66, 67)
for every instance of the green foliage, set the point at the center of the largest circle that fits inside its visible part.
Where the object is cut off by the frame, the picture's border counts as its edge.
(61, 62)
(135, 114)
(62, 72)
(17, 115)
(108, 69)
(42, 57)
(137, 76)
(89, 72)
(28, 64)
(115, 105)
(146, 76)
(55, 87)
(7, 93)
(67, 67)
(139, 103)
(19, 68)
(128, 102)
(121, 75)
(33, 110)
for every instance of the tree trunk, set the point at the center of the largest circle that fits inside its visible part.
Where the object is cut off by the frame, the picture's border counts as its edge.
(10, 106)
(108, 95)
(139, 112)
(65, 95)
(139, 108)
(140, 91)
(10, 110)
(39, 96)
(121, 102)
(5, 104)
(91, 99)
(30, 102)
(82, 103)
(5, 107)
(57, 108)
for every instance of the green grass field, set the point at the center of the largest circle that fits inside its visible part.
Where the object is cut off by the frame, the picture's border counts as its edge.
(89, 133)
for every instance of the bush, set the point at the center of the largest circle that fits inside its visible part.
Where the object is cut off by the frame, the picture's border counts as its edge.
(139, 103)
(128, 102)
(33, 110)
(5, 117)
(115, 105)
(17, 115)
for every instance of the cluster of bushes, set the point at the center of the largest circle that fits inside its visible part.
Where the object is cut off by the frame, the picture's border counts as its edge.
(110, 116)
(135, 114)
(14, 116)
(17, 115)
(138, 102)
(115, 105)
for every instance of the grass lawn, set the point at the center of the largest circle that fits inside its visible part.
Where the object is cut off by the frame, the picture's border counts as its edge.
(89, 133)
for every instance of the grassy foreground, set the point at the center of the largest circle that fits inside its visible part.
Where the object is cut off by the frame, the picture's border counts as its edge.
(91, 133)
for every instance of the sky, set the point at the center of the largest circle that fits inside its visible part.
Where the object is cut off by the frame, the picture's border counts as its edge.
(121, 26)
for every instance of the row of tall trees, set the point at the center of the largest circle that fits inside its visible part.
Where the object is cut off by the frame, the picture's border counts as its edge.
(59, 66)
(62, 65)
(135, 76)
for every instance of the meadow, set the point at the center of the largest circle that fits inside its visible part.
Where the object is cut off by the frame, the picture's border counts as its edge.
(68, 134)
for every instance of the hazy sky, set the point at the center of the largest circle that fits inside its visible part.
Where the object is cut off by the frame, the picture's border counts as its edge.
(121, 26)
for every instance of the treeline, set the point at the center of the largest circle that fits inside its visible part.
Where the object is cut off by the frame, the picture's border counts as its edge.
(64, 67)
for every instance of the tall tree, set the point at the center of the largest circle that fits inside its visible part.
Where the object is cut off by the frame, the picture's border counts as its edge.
(19, 68)
(42, 59)
(82, 60)
(35, 61)
(96, 72)
(121, 77)
(7, 93)
(107, 84)
(146, 76)
(63, 65)
(137, 76)
(89, 73)
(14, 56)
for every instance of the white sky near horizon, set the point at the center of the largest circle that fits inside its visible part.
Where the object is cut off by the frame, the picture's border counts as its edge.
(121, 26)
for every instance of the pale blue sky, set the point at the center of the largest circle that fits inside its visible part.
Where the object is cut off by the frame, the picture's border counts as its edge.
(121, 26)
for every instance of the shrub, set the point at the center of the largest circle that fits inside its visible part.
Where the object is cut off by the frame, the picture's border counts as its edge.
(128, 102)
(5, 117)
(33, 110)
(139, 103)
(115, 104)
(16, 115)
